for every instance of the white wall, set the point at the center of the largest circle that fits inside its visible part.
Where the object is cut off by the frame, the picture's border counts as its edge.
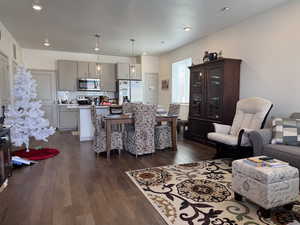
(6, 48)
(268, 44)
(149, 64)
(46, 59)
(6, 45)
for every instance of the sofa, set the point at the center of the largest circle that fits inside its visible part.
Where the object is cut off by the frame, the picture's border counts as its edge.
(261, 141)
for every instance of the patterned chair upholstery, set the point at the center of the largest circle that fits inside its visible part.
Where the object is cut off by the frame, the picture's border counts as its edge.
(163, 132)
(128, 107)
(99, 141)
(140, 140)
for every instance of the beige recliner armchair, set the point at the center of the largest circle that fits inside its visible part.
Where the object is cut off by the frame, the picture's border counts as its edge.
(251, 114)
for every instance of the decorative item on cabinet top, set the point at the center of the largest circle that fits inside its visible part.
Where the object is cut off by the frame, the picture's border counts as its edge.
(208, 57)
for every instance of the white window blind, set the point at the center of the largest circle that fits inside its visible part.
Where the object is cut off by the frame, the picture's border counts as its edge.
(181, 81)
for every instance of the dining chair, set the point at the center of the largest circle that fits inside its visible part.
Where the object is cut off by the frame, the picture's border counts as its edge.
(140, 139)
(99, 140)
(128, 108)
(163, 133)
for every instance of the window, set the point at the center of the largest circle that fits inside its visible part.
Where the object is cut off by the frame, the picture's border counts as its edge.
(181, 81)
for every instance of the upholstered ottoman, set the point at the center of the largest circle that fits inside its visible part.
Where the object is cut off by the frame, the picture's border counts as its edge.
(268, 187)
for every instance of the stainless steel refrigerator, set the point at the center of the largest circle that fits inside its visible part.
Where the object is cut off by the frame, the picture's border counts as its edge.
(132, 89)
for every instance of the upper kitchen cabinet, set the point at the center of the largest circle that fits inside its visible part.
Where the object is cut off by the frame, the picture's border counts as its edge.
(93, 71)
(83, 69)
(122, 71)
(108, 77)
(88, 70)
(135, 72)
(125, 71)
(67, 75)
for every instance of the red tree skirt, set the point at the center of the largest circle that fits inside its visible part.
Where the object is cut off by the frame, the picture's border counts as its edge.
(35, 154)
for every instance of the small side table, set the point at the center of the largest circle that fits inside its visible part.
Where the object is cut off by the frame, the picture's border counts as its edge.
(266, 186)
(5, 156)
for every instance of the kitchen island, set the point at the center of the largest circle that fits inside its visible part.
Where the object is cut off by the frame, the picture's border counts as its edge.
(86, 128)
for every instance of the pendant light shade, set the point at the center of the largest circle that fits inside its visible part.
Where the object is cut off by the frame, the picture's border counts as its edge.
(36, 5)
(97, 49)
(132, 66)
(97, 46)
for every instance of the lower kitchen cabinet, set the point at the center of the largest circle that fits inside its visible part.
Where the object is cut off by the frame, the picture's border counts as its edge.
(68, 118)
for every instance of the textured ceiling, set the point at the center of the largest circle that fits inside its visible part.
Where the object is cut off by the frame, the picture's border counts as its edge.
(70, 24)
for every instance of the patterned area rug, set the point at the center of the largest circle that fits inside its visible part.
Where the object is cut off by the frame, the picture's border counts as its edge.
(200, 193)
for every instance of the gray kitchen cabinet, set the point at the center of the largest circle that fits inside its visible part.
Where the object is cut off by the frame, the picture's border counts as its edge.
(68, 118)
(88, 70)
(93, 73)
(83, 69)
(137, 74)
(108, 77)
(67, 75)
(122, 71)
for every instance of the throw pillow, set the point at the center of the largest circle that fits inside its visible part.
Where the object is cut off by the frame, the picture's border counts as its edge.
(286, 131)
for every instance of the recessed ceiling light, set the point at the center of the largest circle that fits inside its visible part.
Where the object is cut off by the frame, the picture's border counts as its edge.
(187, 28)
(36, 5)
(225, 9)
(46, 43)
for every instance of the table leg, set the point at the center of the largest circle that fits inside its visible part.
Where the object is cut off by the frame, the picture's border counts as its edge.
(174, 134)
(108, 138)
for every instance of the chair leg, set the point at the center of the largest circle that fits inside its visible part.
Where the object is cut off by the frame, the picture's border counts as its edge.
(218, 151)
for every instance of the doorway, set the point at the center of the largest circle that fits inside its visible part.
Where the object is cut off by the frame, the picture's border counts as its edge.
(151, 88)
(46, 92)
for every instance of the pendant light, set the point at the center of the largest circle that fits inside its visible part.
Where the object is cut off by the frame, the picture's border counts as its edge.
(97, 49)
(46, 42)
(132, 66)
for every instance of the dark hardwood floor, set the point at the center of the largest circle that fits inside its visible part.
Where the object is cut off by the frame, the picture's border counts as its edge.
(77, 188)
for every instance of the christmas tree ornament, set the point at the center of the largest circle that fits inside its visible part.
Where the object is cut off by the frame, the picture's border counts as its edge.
(25, 116)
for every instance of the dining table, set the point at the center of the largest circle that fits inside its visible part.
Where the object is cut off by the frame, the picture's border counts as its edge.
(111, 120)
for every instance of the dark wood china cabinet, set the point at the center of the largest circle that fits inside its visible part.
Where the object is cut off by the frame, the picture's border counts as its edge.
(214, 92)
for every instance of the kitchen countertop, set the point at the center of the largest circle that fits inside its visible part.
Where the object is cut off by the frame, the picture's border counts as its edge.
(86, 106)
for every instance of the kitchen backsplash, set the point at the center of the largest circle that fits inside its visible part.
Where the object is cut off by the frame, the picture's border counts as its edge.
(71, 96)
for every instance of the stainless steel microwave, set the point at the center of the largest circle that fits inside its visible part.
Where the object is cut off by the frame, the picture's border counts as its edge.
(86, 84)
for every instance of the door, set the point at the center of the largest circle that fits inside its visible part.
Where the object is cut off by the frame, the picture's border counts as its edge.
(46, 92)
(67, 75)
(4, 81)
(151, 88)
(197, 94)
(214, 92)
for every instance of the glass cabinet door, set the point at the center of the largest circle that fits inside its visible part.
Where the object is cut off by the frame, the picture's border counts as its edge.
(214, 92)
(197, 93)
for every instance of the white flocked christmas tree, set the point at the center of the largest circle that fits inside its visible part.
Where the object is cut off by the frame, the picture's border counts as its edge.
(25, 115)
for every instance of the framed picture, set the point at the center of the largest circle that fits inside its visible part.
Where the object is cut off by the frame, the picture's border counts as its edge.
(165, 84)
